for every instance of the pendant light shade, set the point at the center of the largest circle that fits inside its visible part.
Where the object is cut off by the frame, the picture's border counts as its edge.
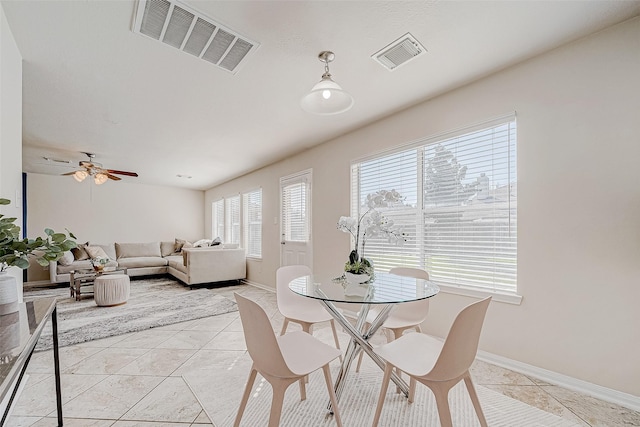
(326, 97)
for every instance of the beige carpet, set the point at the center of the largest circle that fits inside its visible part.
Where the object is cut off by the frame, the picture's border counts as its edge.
(358, 403)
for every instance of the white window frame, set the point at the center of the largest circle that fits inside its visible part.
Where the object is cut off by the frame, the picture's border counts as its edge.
(217, 219)
(233, 219)
(420, 207)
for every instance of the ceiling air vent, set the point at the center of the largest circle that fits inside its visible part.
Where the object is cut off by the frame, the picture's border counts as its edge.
(399, 52)
(192, 32)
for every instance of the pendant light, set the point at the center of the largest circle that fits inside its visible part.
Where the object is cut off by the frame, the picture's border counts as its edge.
(326, 97)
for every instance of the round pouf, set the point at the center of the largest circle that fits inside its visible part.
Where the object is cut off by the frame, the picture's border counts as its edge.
(111, 289)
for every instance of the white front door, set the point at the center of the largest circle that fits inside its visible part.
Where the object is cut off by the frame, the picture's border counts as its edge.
(295, 219)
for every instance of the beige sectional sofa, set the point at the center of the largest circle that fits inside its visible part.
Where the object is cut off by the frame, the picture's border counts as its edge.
(191, 266)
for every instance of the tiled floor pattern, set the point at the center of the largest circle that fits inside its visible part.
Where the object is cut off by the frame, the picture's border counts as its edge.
(136, 380)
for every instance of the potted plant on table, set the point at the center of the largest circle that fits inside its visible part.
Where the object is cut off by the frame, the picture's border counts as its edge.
(15, 252)
(371, 223)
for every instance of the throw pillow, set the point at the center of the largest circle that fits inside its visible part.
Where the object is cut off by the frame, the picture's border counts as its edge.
(79, 252)
(67, 258)
(202, 243)
(177, 247)
(96, 252)
(216, 241)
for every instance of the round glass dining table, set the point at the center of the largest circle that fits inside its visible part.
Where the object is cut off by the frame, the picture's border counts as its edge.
(385, 290)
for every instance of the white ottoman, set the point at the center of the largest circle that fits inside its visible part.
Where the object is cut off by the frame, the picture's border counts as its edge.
(111, 289)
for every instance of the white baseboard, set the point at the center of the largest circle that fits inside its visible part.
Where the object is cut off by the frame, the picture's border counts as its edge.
(258, 285)
(603, 393)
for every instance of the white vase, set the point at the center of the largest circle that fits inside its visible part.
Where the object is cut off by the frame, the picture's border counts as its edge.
(356, 278)
(8, 293)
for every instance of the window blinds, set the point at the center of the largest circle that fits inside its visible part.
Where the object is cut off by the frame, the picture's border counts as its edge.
(252, 202)
(295, 223)
(232, 226)
(459, 209)
(218, 219)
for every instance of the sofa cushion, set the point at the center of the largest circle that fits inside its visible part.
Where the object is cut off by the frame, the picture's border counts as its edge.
(96, 252)
(166, 248)
(177, 262)
(143, 261)
(109, 249)
(79, 253)
(67, 258)
(135, 250)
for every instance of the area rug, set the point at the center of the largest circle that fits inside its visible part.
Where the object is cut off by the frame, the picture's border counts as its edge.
(153, 302)
(358, 402)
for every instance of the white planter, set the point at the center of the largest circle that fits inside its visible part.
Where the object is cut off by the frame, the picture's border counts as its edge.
(8, 293)
(356, 278)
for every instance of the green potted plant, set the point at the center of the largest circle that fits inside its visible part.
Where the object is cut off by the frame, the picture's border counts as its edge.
(15, 252)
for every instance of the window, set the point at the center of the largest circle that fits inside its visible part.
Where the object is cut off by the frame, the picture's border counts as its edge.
(252, 207)
(217, 227)
(295, 200)
(459, 212)
(232, 219)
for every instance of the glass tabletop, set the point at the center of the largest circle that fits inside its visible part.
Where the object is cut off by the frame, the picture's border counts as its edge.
(386, 288)
(19, 332)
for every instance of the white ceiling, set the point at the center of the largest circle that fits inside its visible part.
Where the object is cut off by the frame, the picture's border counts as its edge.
(91, 84)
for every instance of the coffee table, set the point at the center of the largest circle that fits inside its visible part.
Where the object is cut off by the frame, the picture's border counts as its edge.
(85, 278)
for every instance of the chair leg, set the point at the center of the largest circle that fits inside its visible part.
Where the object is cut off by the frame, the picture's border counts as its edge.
(284, 326)
(441, 393)
(307, 327)
(277, 401)
(412, 389)
(397, 333)
(332, 395)
(303, 388)
(383, 391)
(474, 399)
(335, 337)
(245, 396)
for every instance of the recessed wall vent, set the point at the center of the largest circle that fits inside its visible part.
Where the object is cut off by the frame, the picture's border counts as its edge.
(399, 52)
(192, 32)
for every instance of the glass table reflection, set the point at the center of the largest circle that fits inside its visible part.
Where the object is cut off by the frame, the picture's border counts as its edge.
(386, 290)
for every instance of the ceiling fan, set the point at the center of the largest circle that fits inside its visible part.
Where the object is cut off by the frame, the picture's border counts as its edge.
(99, 174)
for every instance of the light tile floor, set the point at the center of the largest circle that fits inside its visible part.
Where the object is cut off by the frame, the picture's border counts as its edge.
(136, 380)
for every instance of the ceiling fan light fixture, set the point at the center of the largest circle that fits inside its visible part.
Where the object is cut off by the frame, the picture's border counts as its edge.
(100, 178)
(326, 96)
(80, 175)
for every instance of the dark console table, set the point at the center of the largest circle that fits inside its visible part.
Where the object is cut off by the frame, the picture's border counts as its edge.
(19, 333)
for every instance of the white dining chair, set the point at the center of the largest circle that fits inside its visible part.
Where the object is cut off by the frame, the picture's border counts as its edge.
(282, 360)
(408, 315)
(298, 309)
(436, 364)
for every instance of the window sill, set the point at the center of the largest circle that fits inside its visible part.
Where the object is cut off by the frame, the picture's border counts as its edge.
(254, 258)
(496, 296)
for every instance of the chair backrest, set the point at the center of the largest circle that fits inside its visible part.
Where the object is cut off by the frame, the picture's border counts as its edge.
(285, 297)
(414, 312)
(261, 339)
(461, 345)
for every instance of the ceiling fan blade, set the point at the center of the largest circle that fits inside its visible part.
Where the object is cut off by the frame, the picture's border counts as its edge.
(69, 173)
(122, 172)
(113, 177)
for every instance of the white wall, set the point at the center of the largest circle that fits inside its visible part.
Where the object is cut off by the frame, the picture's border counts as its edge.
(113, 212)
(11, 129)
(578, 112)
